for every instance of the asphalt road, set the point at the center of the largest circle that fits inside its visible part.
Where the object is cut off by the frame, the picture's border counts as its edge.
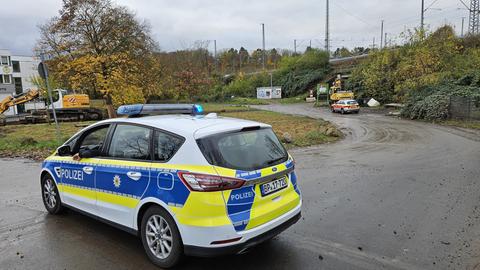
(394, 194)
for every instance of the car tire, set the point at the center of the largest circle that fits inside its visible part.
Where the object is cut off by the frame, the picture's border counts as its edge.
(158, 232)
(51, 196)
(342, 111)
(356, 112)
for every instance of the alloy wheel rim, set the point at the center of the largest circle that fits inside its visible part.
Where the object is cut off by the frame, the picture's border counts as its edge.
(49, 194)
(159, 236)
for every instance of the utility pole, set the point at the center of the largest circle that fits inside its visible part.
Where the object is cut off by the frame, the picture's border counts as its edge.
(327, 29)
(381, 37)
(463, 24)
(422, 18)
(215, 54)
(385, 46)
(295, 46)
(263, 45)
(310, 44)
(373, 44)
(271, 82)
(44, 75)
(474, 18)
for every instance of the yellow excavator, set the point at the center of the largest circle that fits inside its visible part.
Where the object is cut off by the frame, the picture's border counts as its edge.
(11, 101)
(337, 92)
(67, 106)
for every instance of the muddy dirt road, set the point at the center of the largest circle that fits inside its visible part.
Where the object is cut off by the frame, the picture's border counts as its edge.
(393, 194)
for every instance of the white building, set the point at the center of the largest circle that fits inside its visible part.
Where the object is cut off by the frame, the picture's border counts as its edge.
(16, 73)
(269, 92)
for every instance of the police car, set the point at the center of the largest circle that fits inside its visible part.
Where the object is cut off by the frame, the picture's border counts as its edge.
(185, 182)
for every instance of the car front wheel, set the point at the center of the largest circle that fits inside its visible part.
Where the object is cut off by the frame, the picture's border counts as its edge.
(160, 237)
(50, 195)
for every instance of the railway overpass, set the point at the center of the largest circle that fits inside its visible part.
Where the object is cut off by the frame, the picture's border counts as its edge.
(345, 65)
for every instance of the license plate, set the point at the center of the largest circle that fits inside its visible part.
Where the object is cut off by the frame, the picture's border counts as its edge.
(273, 186)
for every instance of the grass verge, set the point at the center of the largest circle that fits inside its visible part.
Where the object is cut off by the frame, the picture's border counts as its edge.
(462, 124)
(37, 141)
(222, 107)
(293, 131)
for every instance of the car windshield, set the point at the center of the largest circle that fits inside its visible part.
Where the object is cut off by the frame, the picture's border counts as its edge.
(245, 150)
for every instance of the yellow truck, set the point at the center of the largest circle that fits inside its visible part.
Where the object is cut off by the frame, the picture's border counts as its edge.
(337, 91)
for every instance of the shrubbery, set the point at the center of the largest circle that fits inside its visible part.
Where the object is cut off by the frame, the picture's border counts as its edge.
(432, 102)
(296, 75)
(246, 86)
(423, 73)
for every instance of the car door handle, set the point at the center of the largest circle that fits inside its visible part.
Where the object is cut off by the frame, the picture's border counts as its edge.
(134, 175)
(88, 170)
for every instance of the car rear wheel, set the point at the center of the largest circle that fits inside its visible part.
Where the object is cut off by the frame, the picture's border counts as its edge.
(342, 111)
(160, 237)
(50, 195)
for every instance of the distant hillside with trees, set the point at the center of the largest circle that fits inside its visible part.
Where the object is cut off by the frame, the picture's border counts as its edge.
(422, 73)
(102, 49)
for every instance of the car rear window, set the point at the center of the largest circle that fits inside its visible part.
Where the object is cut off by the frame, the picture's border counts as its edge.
(352, 102)
(244, 150)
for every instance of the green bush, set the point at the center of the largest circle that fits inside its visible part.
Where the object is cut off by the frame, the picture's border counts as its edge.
(432, 102)
(434, 107)
(298, 82)
(296, 75)
(246, 86)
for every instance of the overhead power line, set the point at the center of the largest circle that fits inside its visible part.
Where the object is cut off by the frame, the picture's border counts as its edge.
(352, 15)
(433, 3)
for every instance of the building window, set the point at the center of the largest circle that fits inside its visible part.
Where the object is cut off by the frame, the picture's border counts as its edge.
(4, 60)
(18, 85)
(6, 79)
(16, 66)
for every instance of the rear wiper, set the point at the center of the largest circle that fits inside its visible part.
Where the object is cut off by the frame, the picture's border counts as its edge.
(275, 160)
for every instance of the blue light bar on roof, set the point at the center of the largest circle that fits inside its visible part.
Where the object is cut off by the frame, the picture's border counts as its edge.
(155, 109)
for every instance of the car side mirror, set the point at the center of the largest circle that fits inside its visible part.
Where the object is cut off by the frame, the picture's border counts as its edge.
(64, 150)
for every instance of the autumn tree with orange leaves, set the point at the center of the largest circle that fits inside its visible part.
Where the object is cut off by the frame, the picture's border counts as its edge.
(96, 47)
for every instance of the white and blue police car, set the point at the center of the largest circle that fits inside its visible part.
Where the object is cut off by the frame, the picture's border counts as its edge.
(185, 183)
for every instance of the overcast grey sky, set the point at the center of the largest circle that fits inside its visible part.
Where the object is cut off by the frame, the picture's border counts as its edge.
(178, 24)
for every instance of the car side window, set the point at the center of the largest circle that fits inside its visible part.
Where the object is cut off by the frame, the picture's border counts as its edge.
(166, 145)
(130, 142)
(94, 139)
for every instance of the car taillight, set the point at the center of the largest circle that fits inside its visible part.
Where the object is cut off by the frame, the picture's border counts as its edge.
(208, 182)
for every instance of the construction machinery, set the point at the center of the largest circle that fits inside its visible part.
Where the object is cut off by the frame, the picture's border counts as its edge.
(11, 101)
(337, 91)
(68, 107)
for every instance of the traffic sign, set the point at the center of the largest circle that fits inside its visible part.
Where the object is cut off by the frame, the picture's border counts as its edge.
(41, 70)
(321, 89)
